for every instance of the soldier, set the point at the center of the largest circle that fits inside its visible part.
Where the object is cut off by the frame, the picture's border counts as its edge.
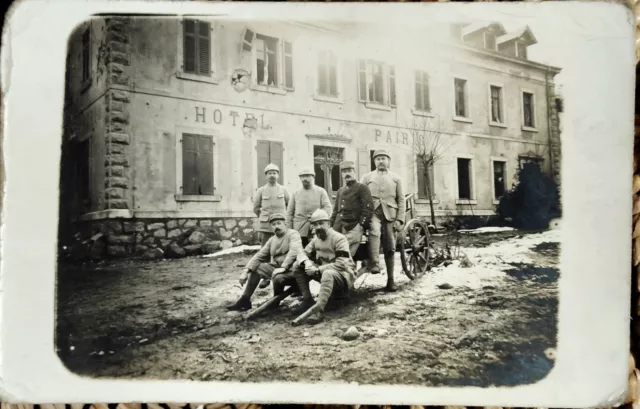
(325, 259)
(275, 259)
(304, 202)
(353, 207)
(388, 215)
(269, 199)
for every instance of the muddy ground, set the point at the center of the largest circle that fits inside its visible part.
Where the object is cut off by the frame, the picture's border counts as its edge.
(165, 319)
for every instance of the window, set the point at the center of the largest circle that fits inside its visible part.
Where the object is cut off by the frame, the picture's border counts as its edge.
(499, 179)
(489, 41)
(82, 160)
(327, 74)
(373, 162)
(422, 91)
(197, 47)
(197, 164)
(464, 179)
(266, 60)
(425, 177)
(327, 167)
(269, 152)
(86, 55)
(521, 49)
(272, 60)
(528, 110)
(530, 159)
(496, 104)
(460, 86)
(372, 76)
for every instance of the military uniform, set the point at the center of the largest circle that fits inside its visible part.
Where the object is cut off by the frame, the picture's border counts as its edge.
(267, 200)
(352, 210)
(301, 206)
(278, 252)
(336, 269)
(389, 207)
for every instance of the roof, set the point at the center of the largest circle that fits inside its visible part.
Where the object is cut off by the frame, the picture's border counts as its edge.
(518, 34)
(474, 27)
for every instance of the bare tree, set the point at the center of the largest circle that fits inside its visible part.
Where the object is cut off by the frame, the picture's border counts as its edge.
(428, 146)
(329, 157)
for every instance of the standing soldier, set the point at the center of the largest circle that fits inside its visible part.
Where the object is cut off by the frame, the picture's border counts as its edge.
(326, 259)
(353, 207)
(269, 199)
(304, 202)
(388, 215)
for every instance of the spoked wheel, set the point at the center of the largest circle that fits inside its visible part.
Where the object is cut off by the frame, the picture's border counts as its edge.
(414, 249)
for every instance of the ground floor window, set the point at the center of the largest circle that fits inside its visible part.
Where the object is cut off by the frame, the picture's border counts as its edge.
(197, 164)
(464, 179)
(499, 179)
(326, 161)
(425, 175)
(269, 152)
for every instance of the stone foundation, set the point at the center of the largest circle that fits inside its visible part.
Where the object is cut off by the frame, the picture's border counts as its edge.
(159, 238)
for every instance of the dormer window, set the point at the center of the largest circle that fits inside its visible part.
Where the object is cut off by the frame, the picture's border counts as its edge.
(521, 49)
(490, 41)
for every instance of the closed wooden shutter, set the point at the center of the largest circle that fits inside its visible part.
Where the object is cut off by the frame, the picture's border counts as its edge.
(392, 86)
(422, 190)
(364, 162)
(333, 75)
(288, 65)
(276, 153)
(189, 165)
(263, 160)
(204, 48)
(205, 165)
(189, 47)
(362, 81)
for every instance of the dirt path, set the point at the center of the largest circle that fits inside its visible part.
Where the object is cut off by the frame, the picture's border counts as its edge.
(491, 324)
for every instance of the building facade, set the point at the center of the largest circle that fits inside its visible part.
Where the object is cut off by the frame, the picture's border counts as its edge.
(169, 122)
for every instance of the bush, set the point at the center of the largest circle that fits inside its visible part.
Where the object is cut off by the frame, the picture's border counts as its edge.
(532, 202)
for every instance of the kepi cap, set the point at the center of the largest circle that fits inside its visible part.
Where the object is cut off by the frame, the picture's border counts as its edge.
(307, 171)
(381, 152)
(319, 215)
(276, 216)
(347, 164)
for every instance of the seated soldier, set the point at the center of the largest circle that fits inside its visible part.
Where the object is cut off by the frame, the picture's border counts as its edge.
(326, 259)
(274, 260)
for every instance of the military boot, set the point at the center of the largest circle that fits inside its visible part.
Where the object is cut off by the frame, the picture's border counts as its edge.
(390, 263)
(303, 286)
(243, 304)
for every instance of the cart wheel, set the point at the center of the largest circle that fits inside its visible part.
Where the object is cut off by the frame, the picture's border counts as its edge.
(414, 249)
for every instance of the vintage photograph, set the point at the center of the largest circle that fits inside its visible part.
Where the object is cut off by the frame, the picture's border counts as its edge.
(311, 201)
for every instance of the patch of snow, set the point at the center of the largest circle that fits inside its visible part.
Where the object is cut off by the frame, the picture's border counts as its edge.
(486, 230)
(232, 250)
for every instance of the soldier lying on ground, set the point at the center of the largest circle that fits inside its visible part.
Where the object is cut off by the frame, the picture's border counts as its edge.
(273, 261)
(326, 259)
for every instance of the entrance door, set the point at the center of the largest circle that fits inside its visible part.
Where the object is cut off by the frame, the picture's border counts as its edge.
(269, 152)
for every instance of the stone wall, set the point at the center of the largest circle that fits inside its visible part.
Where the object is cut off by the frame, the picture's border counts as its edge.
(159, 238)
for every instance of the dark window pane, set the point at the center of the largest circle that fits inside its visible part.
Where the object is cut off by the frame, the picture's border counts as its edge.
(464, 179)
(335, 178)
(499, 179)
(319, 175)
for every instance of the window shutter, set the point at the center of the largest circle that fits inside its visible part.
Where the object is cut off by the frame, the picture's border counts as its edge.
(362, 81)
(276, 153)
(287, 64)
(189, 165)
(418, 90)
(263, 159)
(205, 165)
(189, 36)
(322, 77)
(247, 40)
(422, 189)
(333, 75)
(364, 162)
(204, 48)
(426, 92)
(392, 86)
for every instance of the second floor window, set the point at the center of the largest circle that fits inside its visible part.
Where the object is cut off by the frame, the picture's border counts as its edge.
(422, 91)
(272, 60)
(327, 74)
(496, 104)
(197, 47)
(266, 60)
(528, 110)
(460, 87)
(489, 41)
(376, 83)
